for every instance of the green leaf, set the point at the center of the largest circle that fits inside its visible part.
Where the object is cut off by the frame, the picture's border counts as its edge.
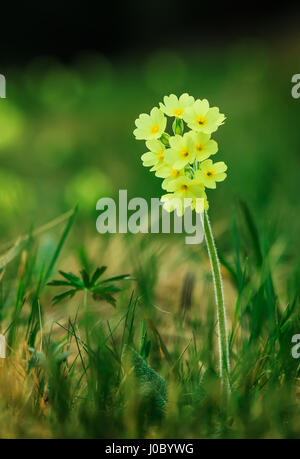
(104, 296)
(63, 356)
(116, 278)
(153, 386)
(74, 280)
(58, 283)
(97, 274)
(109, 288)
(253, 232)
(60, 245)
(63, 296)
(85, 278)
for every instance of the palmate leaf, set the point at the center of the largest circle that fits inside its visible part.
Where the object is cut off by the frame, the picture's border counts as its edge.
(117, 278)
(97, 274)
(100, 290)
(63, 296)
(100, 293)
(85, 277)
(109, 288)
(58, 283)
(104, 296)
(74, 280)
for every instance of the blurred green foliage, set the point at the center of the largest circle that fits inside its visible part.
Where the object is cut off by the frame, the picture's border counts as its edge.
(66, 132)
(66, 137)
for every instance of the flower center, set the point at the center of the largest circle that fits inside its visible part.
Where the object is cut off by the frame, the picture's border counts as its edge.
(199, 147)
(210, 173)
(178, 111)
(184, 153)
(184, 187)
(175, 173)
(154, 129)
(160, 156)
(201, 121)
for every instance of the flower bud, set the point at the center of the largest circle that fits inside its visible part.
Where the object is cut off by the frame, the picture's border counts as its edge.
(178, 126)
(165, 139)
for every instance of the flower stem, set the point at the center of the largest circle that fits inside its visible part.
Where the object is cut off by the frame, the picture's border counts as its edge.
(221, 312)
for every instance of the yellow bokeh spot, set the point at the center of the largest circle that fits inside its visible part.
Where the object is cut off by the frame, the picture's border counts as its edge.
(178, 111)
(201, 121)
(154, 129)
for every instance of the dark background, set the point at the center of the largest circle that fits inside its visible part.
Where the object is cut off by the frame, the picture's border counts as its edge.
(63, 29)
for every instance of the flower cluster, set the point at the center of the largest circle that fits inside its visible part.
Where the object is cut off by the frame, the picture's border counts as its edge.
(182, 159)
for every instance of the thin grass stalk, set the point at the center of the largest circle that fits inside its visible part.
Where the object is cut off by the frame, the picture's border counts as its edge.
(221, 311)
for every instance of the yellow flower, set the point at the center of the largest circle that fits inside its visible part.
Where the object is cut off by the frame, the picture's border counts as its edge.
(200, 205)
(150, 126)
(181, 152)
(185, 187)
(155, 157)
(203, 145)
(199, 117)
(175, 174)
(182, 159)
(171, 203)
(184, 192)
(210, 173)
(175, 107)
(167, 170)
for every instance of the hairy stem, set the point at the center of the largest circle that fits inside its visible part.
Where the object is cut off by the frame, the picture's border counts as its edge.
(222, 325)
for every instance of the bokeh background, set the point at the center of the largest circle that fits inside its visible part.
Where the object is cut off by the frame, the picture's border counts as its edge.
(78, 76)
